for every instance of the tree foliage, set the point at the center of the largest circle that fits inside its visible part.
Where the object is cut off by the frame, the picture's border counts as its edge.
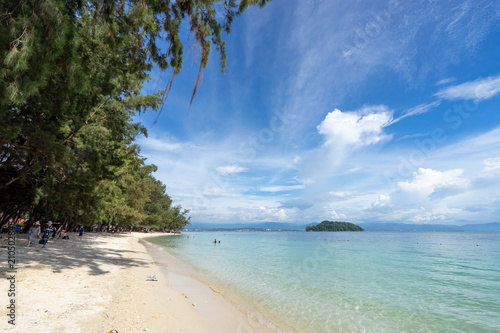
(71, 81)
(334, 226)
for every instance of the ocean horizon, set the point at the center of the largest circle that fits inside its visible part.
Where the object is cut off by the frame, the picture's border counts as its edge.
(354, 281)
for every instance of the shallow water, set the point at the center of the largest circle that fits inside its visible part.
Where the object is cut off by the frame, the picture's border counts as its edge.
(356, 282)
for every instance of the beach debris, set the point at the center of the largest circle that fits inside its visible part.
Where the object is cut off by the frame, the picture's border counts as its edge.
(194, 304)
(151, 278)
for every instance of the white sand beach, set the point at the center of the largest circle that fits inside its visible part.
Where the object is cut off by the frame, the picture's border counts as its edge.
(100, 283)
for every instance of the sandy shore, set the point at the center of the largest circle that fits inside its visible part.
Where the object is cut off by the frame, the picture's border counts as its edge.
(100, 283)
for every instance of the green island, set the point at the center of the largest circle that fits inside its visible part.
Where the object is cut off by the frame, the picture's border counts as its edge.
(334, 226)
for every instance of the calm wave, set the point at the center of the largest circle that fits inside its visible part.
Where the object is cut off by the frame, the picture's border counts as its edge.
(356, 282)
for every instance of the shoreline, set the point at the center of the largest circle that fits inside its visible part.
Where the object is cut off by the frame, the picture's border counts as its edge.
(213, 301)
(100, 283)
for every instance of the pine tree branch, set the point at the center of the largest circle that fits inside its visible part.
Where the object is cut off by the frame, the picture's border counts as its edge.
(86, 121)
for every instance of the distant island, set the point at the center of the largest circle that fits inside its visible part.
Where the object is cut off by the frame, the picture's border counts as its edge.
(334, 226)
(370, 226)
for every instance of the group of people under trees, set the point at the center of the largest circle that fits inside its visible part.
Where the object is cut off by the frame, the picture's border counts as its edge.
(48, 229)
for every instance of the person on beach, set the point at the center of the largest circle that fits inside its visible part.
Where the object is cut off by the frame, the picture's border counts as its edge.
(82, 230)
(63, 235)
(46, 234)
(33, 234)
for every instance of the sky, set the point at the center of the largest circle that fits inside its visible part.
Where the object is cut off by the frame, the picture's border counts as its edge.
(360, 111)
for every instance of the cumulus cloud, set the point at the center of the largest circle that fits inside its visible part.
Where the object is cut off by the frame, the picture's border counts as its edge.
(424, 215)
(382, 201)
(347, 137)
(271, 214)
(332, 214)
(230, 169)
(356, 128)
(477, 90)
(426, 181)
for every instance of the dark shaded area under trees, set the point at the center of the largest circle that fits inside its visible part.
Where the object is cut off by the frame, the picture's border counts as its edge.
(71, 77)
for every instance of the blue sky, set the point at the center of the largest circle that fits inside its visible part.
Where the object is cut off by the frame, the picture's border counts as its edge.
(363, 111)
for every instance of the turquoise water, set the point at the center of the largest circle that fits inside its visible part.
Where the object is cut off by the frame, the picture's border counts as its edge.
(356, 282)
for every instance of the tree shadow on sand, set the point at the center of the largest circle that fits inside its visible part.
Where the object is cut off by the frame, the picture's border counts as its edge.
(61, 255)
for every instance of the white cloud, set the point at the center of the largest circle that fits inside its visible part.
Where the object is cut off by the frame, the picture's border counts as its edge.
(424, 215)
(348, 136)
(427, 181)
(357, 128)
(491, 166)
(445, 81)
(160, 144)
(419, 109)
(281, 188)
(332, 214)
(477, 90)
(382, 200)
(296, 203)
(230, 169)
(340, 195)
(275, 214)
(428, 195)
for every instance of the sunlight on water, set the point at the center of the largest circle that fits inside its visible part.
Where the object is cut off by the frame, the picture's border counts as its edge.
(357, 282)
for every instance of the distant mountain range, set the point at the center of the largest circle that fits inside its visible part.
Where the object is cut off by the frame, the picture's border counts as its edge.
(495, 226)
(276, 226)
(242, 226)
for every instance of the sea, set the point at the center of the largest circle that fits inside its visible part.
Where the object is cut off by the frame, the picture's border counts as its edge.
(353, 281)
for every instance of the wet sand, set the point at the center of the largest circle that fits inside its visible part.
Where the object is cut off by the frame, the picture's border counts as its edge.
(101, 283)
